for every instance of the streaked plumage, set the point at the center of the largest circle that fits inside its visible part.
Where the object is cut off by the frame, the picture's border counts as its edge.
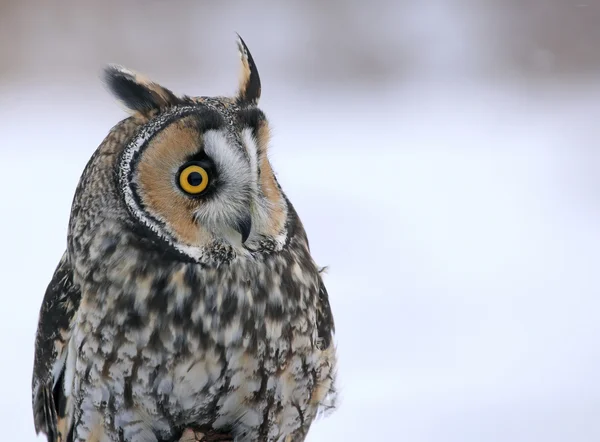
(187, 297)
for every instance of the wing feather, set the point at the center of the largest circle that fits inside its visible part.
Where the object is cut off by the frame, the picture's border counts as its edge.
(325, 323)
(325, 394)
(60, 303)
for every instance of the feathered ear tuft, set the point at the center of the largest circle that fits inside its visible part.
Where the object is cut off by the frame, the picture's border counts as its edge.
(136, 92)
(249, 91)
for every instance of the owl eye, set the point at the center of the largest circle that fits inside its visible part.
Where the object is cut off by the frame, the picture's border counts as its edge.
(193, 179)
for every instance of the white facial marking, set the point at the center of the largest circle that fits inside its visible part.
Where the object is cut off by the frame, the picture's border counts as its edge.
(261, 209)
(232, 198)
(252, 149)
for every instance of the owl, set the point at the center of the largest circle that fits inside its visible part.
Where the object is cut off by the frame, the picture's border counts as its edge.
(187, 305)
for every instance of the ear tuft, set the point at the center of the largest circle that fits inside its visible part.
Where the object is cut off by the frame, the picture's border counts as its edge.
(138, 93)
(249, 89)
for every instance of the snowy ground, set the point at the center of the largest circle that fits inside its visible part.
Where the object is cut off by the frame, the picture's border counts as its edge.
(462, 234)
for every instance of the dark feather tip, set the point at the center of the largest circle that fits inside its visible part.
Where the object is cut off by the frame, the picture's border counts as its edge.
(124, 86)
(137, 93)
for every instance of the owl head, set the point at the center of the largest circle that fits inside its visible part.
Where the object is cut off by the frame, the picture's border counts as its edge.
(196, 172)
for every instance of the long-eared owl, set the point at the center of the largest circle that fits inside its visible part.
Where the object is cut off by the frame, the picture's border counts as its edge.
(187, 303)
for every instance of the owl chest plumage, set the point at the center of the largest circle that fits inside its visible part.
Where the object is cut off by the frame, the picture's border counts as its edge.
(162, 345)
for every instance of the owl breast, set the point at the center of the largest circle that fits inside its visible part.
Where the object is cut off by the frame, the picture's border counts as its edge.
(167, 345)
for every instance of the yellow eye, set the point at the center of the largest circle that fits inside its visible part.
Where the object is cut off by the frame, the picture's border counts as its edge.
(193, 179)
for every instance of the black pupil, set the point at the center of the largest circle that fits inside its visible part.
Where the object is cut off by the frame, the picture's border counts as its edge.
(194, 179)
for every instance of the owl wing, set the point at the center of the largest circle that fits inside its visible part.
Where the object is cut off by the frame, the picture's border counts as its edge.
(60, 303)
(325, 323)
(325, 394)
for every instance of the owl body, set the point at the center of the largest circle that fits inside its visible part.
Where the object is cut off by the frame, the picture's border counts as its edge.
(174, 308)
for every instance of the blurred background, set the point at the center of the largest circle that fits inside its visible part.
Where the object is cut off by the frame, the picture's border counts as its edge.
(443, 156)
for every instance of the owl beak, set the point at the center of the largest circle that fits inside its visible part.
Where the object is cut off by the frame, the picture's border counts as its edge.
(244, 226)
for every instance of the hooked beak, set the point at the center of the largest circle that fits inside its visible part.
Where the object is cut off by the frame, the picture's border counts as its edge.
(244, 226)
